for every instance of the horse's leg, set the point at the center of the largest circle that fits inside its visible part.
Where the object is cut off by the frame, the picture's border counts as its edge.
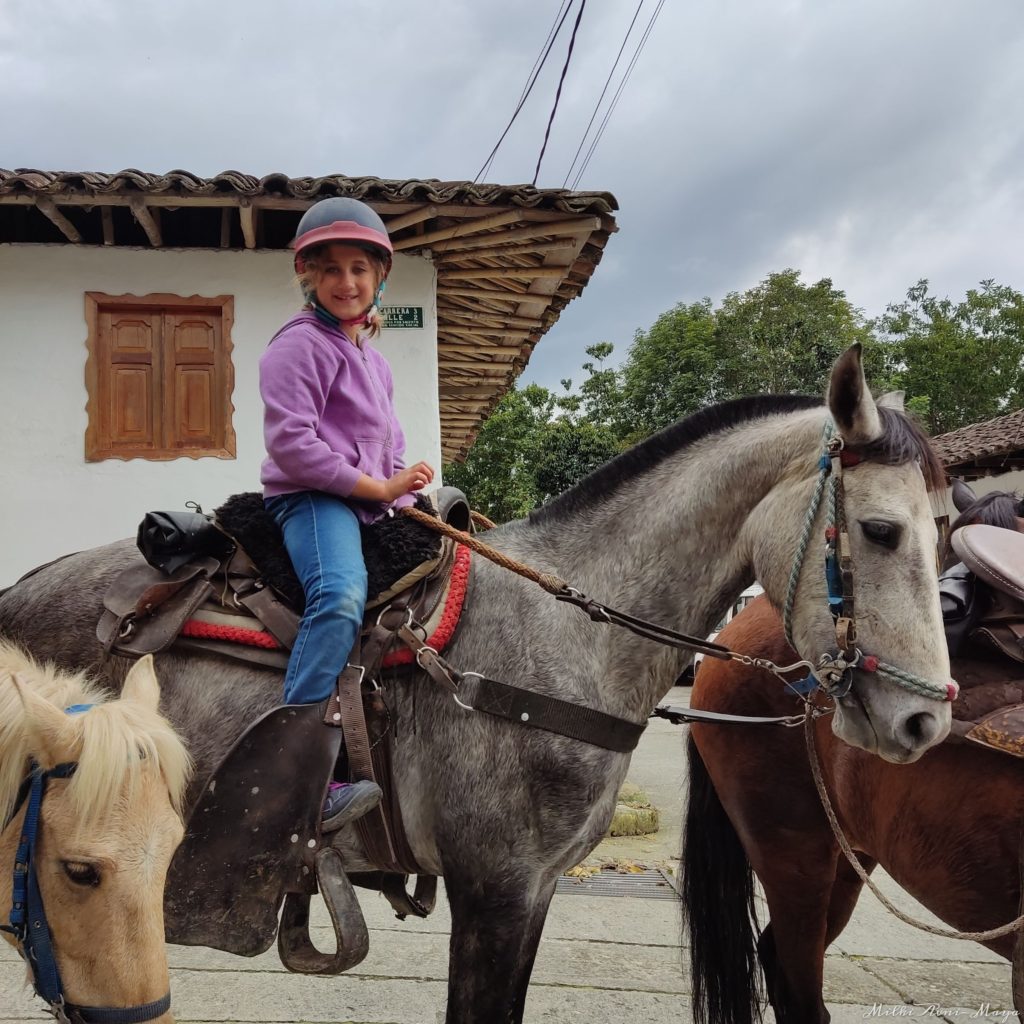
(845, 892)
(797, 879)
(496, 929)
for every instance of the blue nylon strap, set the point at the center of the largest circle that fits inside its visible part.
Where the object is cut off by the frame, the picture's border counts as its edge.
(122, 1015)
(28, 912)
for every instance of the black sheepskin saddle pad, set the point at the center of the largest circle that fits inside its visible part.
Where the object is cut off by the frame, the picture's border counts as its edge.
(392, 547)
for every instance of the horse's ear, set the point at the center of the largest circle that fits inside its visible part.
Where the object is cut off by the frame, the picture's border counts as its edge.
(850, 402)
(963, 496)
(892, 400)
(54, 733)
(141, 684)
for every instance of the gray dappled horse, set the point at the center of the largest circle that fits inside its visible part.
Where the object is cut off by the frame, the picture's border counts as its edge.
(671, 531)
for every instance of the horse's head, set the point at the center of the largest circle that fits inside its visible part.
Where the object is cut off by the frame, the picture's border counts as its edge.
(886, 530)
(106, 833)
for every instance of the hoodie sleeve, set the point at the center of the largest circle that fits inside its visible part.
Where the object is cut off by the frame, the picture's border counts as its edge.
(296, 372)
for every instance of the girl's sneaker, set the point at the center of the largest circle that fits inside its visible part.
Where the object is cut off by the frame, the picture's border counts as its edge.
(346, 801)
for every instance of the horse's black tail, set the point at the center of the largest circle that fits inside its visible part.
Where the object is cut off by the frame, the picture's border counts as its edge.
(718, 909)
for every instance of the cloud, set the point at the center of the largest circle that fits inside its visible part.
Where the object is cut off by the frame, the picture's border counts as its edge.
(874, 143)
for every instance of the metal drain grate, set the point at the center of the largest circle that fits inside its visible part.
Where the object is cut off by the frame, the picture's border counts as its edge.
(650, 884)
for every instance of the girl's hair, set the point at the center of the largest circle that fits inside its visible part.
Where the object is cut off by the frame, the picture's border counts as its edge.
(309, 278)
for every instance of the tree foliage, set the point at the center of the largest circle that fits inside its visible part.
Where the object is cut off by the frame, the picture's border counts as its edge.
(958, 362)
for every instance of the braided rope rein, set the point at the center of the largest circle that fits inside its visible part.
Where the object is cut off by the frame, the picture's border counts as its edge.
(548, 581)
(947, 933)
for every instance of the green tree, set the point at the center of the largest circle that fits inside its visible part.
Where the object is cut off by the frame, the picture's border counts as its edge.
(498, 473)
(671, 370)
(782, 336)
(567, 452)
(959, 362)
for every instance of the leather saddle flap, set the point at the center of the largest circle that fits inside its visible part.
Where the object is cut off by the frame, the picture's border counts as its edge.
(145, 609)
(994, 555)
(252, 834)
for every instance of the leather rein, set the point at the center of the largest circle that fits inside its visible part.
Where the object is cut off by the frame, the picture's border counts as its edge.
(28, 923)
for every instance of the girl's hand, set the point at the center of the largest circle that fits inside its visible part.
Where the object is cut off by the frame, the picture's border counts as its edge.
(415, 478)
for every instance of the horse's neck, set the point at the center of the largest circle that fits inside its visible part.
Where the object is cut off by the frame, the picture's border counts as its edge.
(673, 546)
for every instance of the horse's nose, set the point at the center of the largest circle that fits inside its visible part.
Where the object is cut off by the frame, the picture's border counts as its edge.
(921, 730)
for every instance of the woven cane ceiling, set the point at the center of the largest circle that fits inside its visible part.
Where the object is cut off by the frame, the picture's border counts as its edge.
(508, 258)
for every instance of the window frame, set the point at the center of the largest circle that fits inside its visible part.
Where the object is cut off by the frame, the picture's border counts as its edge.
(163, 303)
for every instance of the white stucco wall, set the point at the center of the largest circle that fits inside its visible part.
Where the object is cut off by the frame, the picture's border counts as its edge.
(53, 501)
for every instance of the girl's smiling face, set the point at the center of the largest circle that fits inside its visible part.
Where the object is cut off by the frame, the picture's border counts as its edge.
(347, 281)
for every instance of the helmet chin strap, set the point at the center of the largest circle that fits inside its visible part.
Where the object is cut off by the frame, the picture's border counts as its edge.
(329, 318)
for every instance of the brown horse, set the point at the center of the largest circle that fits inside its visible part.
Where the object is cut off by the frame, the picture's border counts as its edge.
(947, 828)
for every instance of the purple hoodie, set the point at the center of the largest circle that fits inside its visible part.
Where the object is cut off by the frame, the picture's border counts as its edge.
(328, 415)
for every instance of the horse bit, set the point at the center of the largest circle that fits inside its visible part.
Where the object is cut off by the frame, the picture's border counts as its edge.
(28, 922)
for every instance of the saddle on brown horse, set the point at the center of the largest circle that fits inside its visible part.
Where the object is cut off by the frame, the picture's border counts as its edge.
(233, 593)
(990, 665)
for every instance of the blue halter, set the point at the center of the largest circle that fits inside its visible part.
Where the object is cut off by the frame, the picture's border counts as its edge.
(28, 922)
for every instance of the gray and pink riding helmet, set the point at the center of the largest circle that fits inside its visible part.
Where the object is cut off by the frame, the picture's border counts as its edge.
(346, 220)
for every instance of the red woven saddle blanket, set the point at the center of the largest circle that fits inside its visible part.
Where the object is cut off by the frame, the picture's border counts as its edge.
(242, 599)
(435, 593)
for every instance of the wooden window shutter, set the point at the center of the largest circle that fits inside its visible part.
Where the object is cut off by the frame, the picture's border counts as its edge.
(159, 377)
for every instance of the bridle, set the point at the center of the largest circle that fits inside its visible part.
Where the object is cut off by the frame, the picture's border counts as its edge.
(833, 673)
(28, 922)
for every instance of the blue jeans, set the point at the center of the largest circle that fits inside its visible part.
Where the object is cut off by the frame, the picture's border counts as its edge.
(321, 534)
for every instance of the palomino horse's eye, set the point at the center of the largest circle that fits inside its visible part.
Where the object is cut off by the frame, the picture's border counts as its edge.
(82, 874)
(879, 532)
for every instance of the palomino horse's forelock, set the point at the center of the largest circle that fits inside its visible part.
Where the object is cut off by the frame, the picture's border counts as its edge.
(112, 743)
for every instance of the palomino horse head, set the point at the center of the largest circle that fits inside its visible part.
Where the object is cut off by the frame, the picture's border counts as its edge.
(890, 536)
(106, 833)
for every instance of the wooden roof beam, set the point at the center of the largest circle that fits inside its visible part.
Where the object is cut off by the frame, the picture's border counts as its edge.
(107, 220)
(407, 220)
(460, 231)
(482, 293)
(48, 208)
(489, 332)
(147, 220)
(498, 251)
(247, 215)
(503, 273)
(538, 229)
(485, 317)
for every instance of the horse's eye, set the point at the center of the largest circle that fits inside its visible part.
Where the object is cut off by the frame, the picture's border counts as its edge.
(879, 532)
(82, 874)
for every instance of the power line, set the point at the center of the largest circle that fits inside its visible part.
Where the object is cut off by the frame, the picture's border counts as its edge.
(558, 92)
(529, 88)
(618, 93)
(546, 42)
(607, 82)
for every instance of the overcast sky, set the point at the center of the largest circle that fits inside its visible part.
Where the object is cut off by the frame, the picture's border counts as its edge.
(874, 142)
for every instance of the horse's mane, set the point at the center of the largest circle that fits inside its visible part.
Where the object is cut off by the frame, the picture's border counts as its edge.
(902, 440)
(111, 742)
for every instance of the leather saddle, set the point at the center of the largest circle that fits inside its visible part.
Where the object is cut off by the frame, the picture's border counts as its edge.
(221, 892)
(983, 601)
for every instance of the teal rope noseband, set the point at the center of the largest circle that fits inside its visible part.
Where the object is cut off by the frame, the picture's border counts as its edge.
(837, 668)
